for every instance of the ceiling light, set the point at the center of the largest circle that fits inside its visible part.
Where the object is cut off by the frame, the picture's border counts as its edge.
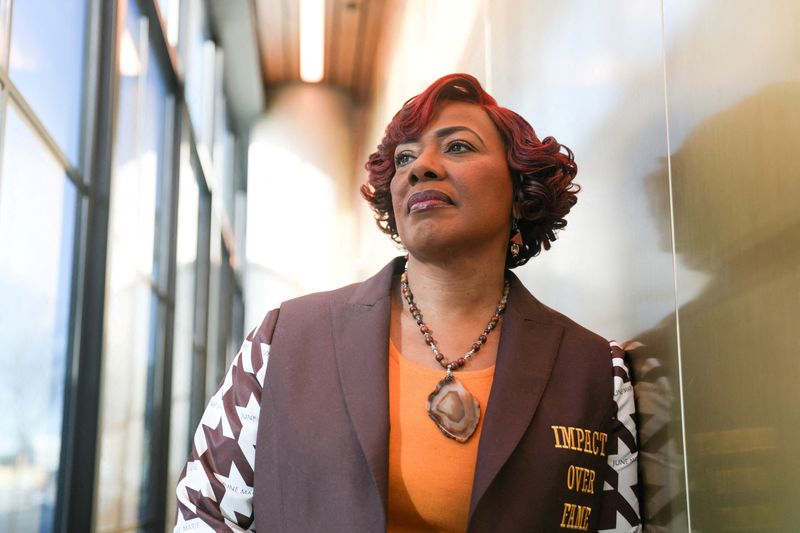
(312, 40)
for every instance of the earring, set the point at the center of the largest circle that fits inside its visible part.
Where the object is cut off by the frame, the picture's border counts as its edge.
(515, 244)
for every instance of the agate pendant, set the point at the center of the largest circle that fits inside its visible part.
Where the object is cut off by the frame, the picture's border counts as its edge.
(454, 409)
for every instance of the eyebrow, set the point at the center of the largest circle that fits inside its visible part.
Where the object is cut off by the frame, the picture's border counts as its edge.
(444, 132)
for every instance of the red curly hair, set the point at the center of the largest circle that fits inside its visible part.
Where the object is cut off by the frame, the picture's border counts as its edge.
(542, 172)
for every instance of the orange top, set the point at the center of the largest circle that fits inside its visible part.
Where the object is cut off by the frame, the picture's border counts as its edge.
(430, 475)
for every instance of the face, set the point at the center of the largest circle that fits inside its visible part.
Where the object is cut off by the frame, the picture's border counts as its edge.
(452, 187)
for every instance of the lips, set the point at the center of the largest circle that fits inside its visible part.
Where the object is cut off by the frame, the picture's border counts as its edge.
(428, 199)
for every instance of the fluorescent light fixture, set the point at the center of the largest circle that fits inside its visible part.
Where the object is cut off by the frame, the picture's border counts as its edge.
(312, 40)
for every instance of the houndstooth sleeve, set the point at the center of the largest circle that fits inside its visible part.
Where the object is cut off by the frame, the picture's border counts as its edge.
(620, 508)
(215, 489)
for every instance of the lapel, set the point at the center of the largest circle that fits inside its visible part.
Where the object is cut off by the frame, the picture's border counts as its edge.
(526, 355)
(361, 344)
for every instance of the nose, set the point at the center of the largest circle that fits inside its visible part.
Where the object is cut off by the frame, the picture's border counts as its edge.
(425, 167)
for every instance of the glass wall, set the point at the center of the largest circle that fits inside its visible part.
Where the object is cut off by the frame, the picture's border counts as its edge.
(733, 83)
(134, 286)
(36, 269)
(200, 54)
(41, 193)
(106, 242)
(48, 50)
(189, 337)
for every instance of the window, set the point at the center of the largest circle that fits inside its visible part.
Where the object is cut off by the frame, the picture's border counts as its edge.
(41, 195)
(75, 120)
(37, 228)
(47, 51)
(135, 291)
(188, 349)
(201, 60)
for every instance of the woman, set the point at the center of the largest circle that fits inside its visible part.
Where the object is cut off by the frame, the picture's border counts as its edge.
(438, 395)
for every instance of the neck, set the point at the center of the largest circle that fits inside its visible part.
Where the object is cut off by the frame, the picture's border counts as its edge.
(457, 286)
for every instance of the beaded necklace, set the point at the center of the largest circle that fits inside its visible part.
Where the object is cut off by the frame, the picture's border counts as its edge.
(452, 407)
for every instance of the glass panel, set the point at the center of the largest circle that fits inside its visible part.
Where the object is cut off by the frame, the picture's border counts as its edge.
(185, 289)
(201, 325)
(216, 314)
(223, 158)
(131, 312)
(199, 73)
(220, 133)
(37, 219)
(735, 140)
(47, 51)
(159, 128)
(593, 78)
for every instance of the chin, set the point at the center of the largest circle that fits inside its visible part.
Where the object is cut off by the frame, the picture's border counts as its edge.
(437, 245)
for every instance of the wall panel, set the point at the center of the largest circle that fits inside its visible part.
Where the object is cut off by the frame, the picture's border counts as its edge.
(733, 77)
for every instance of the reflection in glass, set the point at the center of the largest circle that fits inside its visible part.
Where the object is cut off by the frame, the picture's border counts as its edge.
(735, 186)
(132, 311)
(37, 219)
(47, 52)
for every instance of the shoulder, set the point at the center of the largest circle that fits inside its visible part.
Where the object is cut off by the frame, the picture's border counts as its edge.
(584, 359)
(526, 306)
(577, 337)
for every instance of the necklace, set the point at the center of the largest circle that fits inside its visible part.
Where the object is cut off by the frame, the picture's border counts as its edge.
(452, 407)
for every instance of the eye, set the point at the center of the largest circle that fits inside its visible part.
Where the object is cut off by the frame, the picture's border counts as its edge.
(457, 147)
(402, 159)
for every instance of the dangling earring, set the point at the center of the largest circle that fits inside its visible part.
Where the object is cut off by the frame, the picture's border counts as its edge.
(516, 239)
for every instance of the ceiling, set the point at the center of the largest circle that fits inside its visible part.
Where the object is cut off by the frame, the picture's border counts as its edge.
(352, 28)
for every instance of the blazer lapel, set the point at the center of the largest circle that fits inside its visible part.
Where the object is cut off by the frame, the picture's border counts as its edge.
(526, 355)
(361, 344)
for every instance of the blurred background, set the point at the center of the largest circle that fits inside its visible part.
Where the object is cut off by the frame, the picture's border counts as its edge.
(172, 169)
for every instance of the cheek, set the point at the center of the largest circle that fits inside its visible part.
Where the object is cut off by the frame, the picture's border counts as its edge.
(396, 207)
(497, 193)
(397, 194)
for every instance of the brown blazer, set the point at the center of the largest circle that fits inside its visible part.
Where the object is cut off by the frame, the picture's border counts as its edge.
(323, 433)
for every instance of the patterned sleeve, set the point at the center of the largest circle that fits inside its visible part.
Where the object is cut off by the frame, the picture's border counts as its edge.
(620, 508)
(215, 489)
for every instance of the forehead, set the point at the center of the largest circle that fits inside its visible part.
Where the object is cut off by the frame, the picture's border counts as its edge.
(472, 116)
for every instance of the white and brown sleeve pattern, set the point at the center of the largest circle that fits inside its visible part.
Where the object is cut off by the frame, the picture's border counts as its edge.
(620, 509)
(215, 490)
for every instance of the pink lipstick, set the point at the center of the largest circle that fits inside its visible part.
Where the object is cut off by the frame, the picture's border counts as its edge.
(428, 199)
